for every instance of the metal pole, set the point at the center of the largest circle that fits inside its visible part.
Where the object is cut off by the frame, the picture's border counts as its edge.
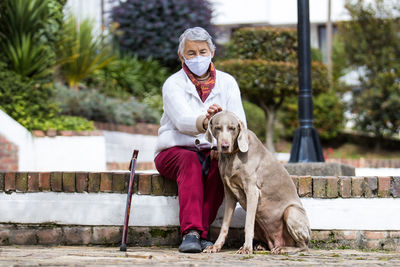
(306, 146)
(329, 43)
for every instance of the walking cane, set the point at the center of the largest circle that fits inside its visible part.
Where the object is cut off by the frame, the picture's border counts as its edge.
(128, 200)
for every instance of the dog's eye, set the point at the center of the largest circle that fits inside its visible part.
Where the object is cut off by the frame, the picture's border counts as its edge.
(231, 128)
(217, 128)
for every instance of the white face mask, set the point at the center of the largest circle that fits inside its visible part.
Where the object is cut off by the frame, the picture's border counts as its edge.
(198, 65)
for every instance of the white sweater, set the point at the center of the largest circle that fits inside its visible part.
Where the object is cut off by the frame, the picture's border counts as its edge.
(183, 106)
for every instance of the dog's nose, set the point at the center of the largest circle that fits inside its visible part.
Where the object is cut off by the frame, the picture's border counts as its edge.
(224, 145)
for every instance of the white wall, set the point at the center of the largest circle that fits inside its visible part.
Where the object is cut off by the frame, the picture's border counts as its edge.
(109, 209)
(21, 137)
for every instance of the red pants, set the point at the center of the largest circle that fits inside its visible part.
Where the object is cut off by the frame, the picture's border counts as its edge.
(199, 197)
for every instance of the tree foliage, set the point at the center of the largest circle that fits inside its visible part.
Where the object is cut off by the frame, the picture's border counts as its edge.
(371, 42)
(152, 27)
(266, 71)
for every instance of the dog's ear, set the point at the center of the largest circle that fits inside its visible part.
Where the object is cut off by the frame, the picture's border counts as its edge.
(243, 138)
(209, 136)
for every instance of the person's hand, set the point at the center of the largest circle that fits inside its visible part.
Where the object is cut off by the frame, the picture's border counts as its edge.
(214, 154)
(212, 110)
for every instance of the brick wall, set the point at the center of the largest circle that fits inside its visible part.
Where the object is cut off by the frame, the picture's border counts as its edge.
(368, 163)
(8, 155)
(138, 128)
(154, 184)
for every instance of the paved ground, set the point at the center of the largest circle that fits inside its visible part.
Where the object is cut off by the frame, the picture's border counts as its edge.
(139, 256)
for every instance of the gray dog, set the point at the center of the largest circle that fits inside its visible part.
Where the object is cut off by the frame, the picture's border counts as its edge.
(254, 178)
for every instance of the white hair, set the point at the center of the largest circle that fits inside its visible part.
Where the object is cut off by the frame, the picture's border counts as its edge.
(195, 34)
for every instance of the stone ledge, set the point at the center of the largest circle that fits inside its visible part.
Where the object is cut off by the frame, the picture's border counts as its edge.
(151, 183)
(54, 235)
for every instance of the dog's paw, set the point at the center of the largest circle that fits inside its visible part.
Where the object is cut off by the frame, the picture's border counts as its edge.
(245, 250)
(276, 250)
(212, 249)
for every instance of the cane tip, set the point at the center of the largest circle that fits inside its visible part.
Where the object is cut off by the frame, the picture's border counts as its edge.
(122, 247)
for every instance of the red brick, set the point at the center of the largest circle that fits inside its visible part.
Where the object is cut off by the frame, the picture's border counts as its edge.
(94, 182)
(2, 174)
(106, 235)
(144, 185)
(295, 180)
(23, 237)
(56, 181)
(374, 235)
(370, 187)
(66, 133)
(68, 181)
(81, 182)
(134, 185)
(21, 182)
(331, 187)
(52, 236)
(9, 181)
(305, 186)
(157, 185)
(106, 182)
(357, 186)
(44, 181)
(383, 186)
(373, 244)
(319, 187)
(350, 235)
(77, 235)
(395, 186)
(345, 186)
(170, 187)
(51, 133)
(118, 182)
(38, 133)
(33, 182)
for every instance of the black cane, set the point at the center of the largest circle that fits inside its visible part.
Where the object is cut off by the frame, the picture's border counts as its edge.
(128, 200)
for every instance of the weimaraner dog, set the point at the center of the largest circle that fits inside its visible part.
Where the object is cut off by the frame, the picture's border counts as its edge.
(254, 178)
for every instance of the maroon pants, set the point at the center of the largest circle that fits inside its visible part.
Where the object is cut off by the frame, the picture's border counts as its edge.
(199, 196)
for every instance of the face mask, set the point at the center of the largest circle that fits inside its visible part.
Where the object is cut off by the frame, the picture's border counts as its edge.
(198, 65)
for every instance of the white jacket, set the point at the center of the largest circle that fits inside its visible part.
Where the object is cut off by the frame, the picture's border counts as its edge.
(183, 106)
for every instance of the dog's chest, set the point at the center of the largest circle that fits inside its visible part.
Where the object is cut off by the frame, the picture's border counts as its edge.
(232, 176)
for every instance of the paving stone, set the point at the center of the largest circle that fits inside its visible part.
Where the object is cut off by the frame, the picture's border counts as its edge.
(21, 182)
(33, 182)
(68, 181)
(383, 186)
(345, 186)
(23, 236)
(44, 181)
(106, 235)
(374, 235)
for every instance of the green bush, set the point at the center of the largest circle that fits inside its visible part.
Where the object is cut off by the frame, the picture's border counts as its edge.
(129, 75)
(328, 115)
(152, 28)
(272, 44)
(63, 122)
(255, 119)
(79, 52)
(97, 107)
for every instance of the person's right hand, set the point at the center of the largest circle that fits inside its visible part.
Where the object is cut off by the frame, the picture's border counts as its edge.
(212, 110)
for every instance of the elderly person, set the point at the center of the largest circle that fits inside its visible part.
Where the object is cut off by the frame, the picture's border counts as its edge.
(191, 97)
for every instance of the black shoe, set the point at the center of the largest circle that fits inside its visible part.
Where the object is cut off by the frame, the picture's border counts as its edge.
(205, 243)
(190, 244)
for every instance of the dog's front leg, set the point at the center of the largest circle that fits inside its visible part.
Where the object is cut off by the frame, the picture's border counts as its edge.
(252, 195)
(229, 208)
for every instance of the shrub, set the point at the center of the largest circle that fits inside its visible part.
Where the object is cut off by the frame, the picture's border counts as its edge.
(97, 107)
(79, 52)
(151, 28)
(272, 44)
(255, 117)
(129, 75)
(63, 122)
(28, 32)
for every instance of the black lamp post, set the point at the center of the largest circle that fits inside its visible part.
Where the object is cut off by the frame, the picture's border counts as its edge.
(306, 146)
